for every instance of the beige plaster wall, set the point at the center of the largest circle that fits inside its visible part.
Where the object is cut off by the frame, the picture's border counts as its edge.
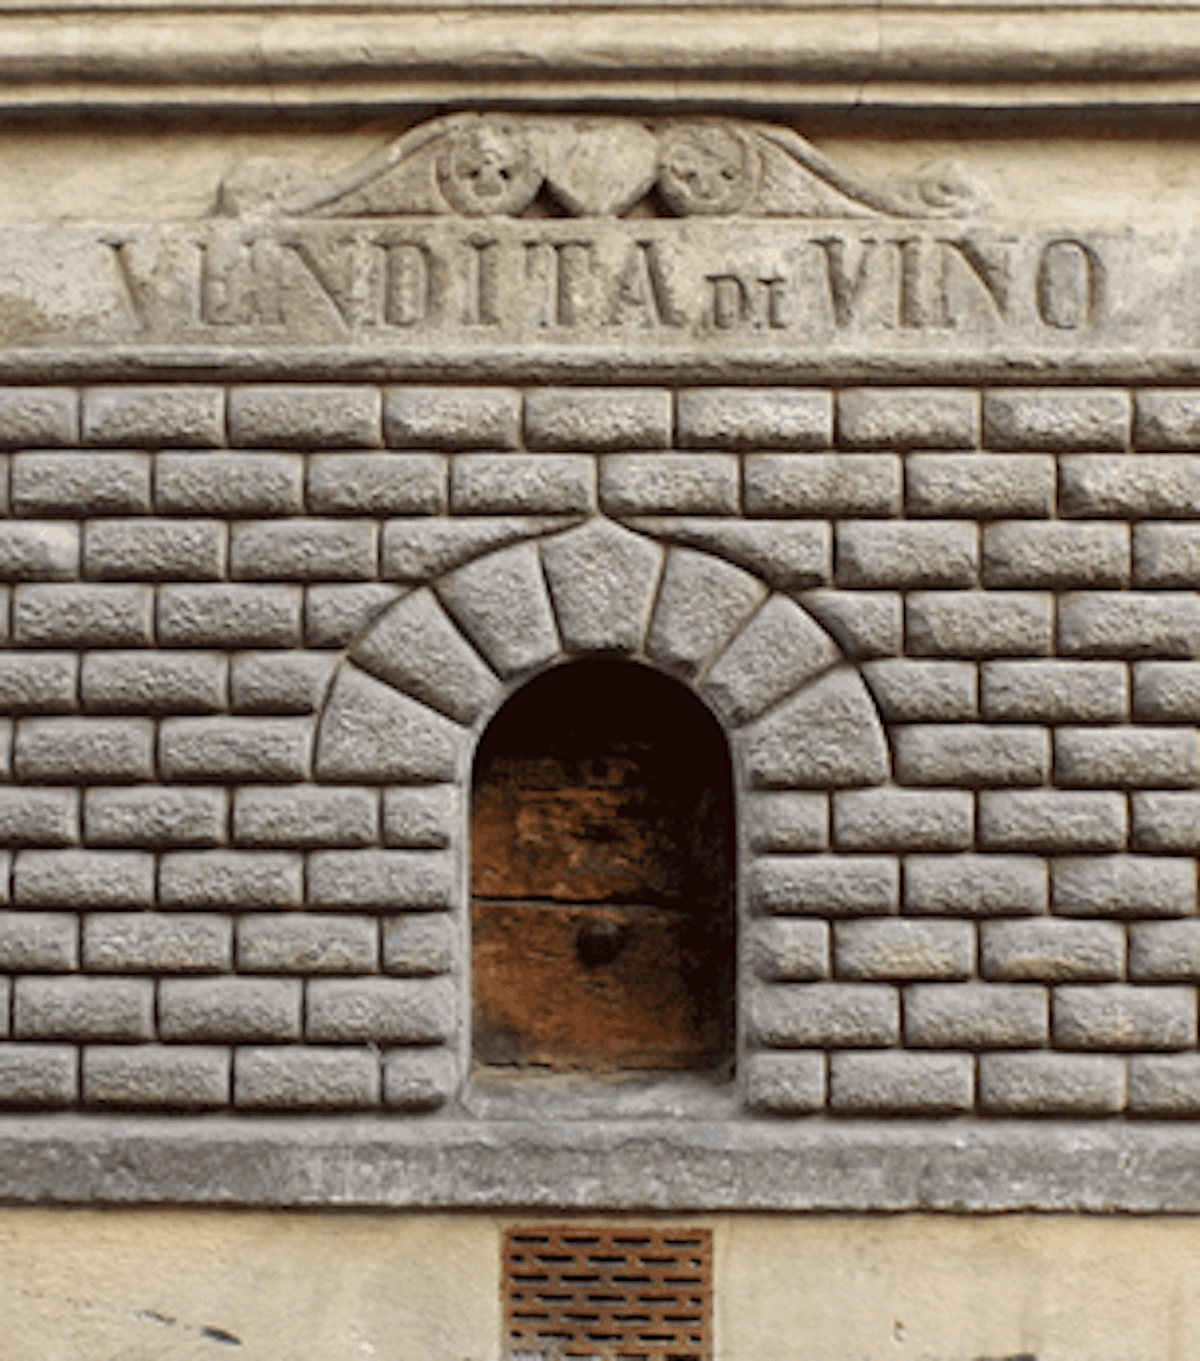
(81, 1285)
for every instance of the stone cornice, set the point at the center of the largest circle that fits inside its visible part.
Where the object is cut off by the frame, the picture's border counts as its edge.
(243, 56)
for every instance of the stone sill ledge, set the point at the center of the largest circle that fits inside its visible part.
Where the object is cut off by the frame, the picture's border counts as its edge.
(934, 54)
(953, 1167)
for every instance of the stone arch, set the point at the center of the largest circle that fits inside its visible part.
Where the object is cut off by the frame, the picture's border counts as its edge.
(417, 688)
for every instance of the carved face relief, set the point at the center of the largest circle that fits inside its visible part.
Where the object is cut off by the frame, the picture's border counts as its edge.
(705, 170)
(489, 169)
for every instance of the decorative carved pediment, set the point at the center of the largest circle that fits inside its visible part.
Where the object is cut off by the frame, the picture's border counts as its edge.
(490, 165)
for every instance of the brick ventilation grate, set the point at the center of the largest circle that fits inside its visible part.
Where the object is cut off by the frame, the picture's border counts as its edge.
(608, 1294)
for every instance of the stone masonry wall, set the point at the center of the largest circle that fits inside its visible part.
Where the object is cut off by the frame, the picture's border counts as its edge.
(952, 634)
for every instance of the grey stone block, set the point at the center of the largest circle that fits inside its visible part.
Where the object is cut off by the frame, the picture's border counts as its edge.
(1056, 420)
(83, 616)
(1166, 823)
(155, 815)
(229, 616)
(702, 602)
(38, 682)
(145, 942)
(786, 822)
(864, 623)
(779, 650)
(39, 1075)
(789, 950)
(1049, 950)
(39, 817)
(230, 1010)
(421, 818)
(670, 484)
(603, 581)
(901, 1084)
(976, 1016)
(299, 1078)
(421, 946)
(1165, 952)
(381, 1010)
(417, 649)
(828, 736)
(980, 623)
(502, 604)
(306, 815)
(825, 1015)
(903, 820)
(229, 484)
(522, 484)
(1055, 821)
(308, 943)
(1167, 418)
(376, 484)
(908, 554)
(154, 550)
(84, 750)
(1166, 556)
(1166, 692)
(423, 550)
(1157, 758)
(980, 486)
(83, 879)
(418, 1079)
(452, 417)
(82, 1008)
(244, 880)
(38, 942)
(1164, 1085)
(831, 485)
(598, 419)
(335, 615)
(76, 484)
(403, 881)
(1122, 1017)
(174, 1077)
(908, 418)
(235, 749)
(1055, 555)
(283, 416)
(754, 418)
(1055, 691)
(825, 885)
(1124, 886)
(788, 555)
(371, 732)
(1039, 1084)
(970, 754)
(167, 416)
(900, 950)
(304, 550)
(1129, 624)
(1113, 486)
(38, 550)
(786, 1084)
(279, 682)
(38, 417)
(158, 682)
(975, 885)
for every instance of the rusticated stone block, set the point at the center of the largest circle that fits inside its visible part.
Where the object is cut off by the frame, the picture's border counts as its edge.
(146, 942)
(1155, 758)
(1165, 952)
(243, 880)
(976, 1016)
(175, 1077)
(422, 818)
(908, 418)
(863, 623)
(901, 1083)
(376, 484)
(1124, 886)
(154, 550)
(234, 485)
(980, 623)
(308, 943)
(1069, 1085)
(826, 885)
(909, 691)
(522, 484)
(84, 750)
(502, 604)
(305, 816)
(165, 417)
(598, 419)
(670, 484)
(83, 879)
(76, 485)
(825, 1015)
(304, 550)
(786, 822)
(970, 754)
(283, 416)
(155, 815)
(418, 1079)
(82, 616)
(903, 820)
(907, 555)
(975, 885)
(789, 950)
(754, 418)
(1129, 624)
(702, 602)
(229, 616)
(381, 1010)
(38, 1075)
(299, 1078)
(452, 418)
(1167, 418)
(39, 817)
(39, 942)
(1056, 420)
(405, 881)
(787, 1084)
(603, 581)
(1166, 692)
(1056, 821)
(279, 682)
(235, 749)
(1048, 950)
(1166, 823)
(159, 682)
(1056, 555)
(1166, 556)
(894, 950)
(1122, 1017)
(1165, 1085)
(38, 550)
(980, 486)
(1055, 691)
(833, 485)
(38, 682)
(81, 1008)
(230, 1010)
(38, 417)
(1112, 486)
(420, 945)
(335, 615)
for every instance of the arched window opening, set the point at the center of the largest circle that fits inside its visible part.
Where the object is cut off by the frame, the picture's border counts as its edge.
(602, 878)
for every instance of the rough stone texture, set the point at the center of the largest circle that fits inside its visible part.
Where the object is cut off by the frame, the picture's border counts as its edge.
(602, 582)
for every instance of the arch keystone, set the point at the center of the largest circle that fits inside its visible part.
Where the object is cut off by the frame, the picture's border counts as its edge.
(602, 580)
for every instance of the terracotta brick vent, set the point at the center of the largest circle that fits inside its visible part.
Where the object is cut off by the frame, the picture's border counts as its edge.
(626, 1294)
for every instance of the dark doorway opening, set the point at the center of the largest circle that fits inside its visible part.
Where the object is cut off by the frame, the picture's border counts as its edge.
(602, 880)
